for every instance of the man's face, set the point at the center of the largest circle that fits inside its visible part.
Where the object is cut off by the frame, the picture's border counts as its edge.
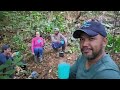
(37, 34)
(8, 51)
(92, 47)
(56, 32)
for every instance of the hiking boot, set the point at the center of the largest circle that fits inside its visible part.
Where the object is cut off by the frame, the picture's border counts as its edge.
(40, 58)
(35, 59)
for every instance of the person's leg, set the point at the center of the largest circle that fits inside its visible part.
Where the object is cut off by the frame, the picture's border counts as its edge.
(36, 51)
(56, 47)
(41, 54)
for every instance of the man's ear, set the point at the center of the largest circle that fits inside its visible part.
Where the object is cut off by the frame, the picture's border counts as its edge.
(105, 41)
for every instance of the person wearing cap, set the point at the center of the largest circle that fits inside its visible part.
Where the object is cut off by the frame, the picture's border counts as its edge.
(58, 41)
(6, 54)
(94, 63)
(37, 47)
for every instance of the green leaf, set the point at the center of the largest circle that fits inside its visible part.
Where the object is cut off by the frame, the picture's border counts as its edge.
(10, 72)
(1, 73)
(4, 77)
(9, 62)
(20, 63)
(3, 66)
(16, 60)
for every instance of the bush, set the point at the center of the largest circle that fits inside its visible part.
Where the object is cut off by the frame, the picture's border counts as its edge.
(7, 70)
(113, 44)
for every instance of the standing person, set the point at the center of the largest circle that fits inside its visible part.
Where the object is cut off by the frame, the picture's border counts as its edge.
(94, 63)
(58, 41)
(38, 47)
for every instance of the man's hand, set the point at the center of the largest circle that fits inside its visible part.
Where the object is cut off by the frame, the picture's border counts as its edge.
(33, 53)
(13, 54)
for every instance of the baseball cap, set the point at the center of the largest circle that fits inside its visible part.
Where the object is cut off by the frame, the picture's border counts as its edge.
(92, 28)
(56, 29)
(5, 47)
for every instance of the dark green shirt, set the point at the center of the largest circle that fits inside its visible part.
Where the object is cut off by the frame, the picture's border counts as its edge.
(105, 68)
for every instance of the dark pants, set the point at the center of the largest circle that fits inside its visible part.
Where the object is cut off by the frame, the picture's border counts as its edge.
(38, 52)
(56, 45)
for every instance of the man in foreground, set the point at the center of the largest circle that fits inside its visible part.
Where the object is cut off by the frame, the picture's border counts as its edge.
(94, 63)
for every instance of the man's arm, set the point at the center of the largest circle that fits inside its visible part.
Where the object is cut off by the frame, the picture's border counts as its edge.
(53, 39)
(65, 39)
(107, 74)
(2, 59)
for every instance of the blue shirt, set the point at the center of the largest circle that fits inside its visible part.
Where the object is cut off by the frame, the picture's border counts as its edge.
(4, 58)
(105, 68)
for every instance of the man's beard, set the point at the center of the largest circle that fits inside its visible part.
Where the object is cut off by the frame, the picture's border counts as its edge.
(56, 33)
(94, 54)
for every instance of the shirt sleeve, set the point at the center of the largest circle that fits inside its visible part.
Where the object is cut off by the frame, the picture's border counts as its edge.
(2, 59)
(108, 74)
(65, 39)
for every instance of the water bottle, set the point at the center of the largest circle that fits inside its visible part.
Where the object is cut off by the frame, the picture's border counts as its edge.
(63, 70)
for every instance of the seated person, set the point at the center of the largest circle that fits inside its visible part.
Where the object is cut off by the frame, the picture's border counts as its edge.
(6, 54)
(37, 47)
(58, 40)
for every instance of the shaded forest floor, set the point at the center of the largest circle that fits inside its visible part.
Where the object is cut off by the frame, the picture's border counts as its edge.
(47, 69)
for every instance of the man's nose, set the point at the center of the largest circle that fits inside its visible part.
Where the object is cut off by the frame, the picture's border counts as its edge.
(86, 43)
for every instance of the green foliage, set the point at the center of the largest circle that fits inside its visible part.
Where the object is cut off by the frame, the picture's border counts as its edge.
(43, 21)
(113, 44)
(18, 43)
(7, 70)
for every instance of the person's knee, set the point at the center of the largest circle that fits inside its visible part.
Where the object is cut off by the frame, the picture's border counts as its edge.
(36, 51)
(41, 50)
(55, 45)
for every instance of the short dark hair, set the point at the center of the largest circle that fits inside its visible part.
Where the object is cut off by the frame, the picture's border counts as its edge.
(5, 47)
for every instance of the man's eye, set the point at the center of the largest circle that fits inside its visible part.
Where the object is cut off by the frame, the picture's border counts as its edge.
(92, 38)
(81, 39)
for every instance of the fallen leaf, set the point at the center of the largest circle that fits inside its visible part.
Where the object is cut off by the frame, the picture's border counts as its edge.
(50, 70)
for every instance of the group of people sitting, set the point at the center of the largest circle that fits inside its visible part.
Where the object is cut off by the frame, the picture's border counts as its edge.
(37, 47)
(57, 41)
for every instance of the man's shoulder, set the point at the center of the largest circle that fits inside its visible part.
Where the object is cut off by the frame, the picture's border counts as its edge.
(33, 38)
(60, 34)
(108, 74)
(107, 64)
(1, 54)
